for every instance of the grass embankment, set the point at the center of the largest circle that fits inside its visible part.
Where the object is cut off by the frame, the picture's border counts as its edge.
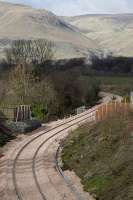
(102, 156)
(121, 85)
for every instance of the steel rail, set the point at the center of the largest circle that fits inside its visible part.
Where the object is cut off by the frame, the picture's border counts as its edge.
(41, 145)
(65, 178)
(18, 193)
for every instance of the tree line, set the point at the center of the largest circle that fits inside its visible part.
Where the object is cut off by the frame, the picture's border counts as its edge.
(107, 63)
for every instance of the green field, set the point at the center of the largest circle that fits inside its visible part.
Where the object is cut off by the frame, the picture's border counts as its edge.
(121, 85)
(116, 80)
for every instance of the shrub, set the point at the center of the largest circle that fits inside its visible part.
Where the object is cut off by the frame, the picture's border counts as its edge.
(38, 111)
(4, 138)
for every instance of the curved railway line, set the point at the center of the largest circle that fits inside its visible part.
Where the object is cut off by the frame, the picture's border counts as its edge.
(53, 132)
(26, 168)
(36, 153)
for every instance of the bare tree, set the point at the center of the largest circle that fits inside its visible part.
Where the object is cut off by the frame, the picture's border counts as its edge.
(26, 88)
(21, 84)
(43, 50)
(3, 90)
(30, 51)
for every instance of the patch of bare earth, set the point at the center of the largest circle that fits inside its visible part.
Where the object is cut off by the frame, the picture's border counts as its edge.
(76, 182)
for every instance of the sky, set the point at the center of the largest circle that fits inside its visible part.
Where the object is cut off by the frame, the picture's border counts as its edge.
(79, 7)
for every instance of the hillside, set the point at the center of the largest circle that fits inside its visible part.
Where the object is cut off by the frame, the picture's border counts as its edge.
(101, 155)
(112, 32)
(73, 36)
(24, 22)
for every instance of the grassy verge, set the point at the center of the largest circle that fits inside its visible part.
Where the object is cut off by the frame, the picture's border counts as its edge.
(101, 155)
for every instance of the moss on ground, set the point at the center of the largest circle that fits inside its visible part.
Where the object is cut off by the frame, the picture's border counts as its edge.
(101, 155)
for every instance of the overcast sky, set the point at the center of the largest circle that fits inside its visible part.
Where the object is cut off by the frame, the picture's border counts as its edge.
(78, 7)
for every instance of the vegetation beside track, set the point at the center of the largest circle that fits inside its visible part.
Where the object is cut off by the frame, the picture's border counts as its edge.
(5, 135)
(101, 155)
(4, 138)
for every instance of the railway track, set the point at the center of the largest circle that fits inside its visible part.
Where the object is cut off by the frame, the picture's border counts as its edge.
(25, 181)
(23, 170)
(29, 154)
(35, 157)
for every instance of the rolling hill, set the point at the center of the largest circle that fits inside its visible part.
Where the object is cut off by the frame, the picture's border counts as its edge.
(24, 22)
(72, 36)
(112, 32)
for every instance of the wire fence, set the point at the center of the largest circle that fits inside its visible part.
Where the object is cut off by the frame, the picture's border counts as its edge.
(106, 110)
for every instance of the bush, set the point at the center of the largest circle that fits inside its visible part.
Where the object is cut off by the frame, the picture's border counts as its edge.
(4, 138)
(38, 111)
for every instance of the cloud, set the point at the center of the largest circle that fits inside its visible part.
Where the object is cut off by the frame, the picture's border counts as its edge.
(77, 7)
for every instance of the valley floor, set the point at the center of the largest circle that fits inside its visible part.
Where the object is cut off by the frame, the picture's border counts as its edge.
(121, 85)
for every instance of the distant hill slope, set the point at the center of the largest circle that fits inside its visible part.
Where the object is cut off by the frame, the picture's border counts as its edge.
(111, 32)
(24, 22)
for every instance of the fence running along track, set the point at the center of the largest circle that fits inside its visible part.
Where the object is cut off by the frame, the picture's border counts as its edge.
(16, 188)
